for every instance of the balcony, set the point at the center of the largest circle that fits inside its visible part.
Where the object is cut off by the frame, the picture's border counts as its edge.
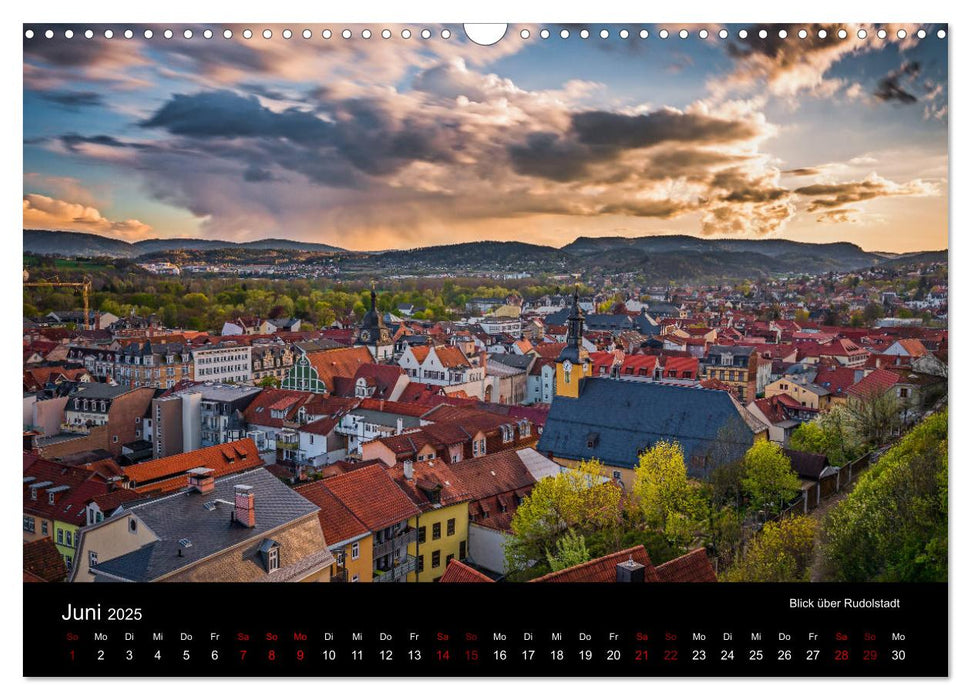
(339, 577)
(403, 539)
(287, 441)
(404, 566)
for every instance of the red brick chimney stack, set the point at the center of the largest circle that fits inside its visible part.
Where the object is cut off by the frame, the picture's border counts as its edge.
(202, 479)
(245, 510)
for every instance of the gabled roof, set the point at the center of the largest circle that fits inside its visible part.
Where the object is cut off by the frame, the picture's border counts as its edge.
(692, 567)
(373, 497)
(492, 474)
(337, 521)
(225, 459)
(384, 378)
(185, 515)
(457, 572)
(837, 380)
(42, 561)
(260, 410)
(451, 356)
(602, 569)
(338, 362)
(420, 352)
(428, 479)
(877, 382)
(321, 426)
(108, 502)
(627, 417)
(72, 486)
(913, 347)
(772, 410)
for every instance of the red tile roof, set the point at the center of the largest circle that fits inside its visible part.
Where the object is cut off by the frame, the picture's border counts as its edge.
(36, 377)
(429, 478)
(68, 506)
(451, 356)
(384, 377)
(338, 362)
(877, 382)
(771, 409)
(603, 569)
(337, 521)
(913, 347)
(683, 367)
(42, 561)
(499, 472)
(419, 393)
(284, 403)
(228, 458)
(692, 567)
(716, 384)
(373, 497)
(260, 410)
(457, 572)
(400, 407)
(321, 426)
(108, 502)
(837, 379)
(419, 351)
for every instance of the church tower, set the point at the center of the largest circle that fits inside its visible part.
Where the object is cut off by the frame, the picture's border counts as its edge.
(374, 335)
(573, 364)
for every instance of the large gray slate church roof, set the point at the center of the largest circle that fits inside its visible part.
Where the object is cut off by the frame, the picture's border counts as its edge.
(184, 516)
(614, 420)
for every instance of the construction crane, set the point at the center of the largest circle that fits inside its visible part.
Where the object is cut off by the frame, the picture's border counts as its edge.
(84, 286)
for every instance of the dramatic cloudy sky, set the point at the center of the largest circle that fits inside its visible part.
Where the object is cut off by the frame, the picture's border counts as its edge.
(378, 143)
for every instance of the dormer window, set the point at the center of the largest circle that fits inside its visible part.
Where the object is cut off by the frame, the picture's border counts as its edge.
(270, 553)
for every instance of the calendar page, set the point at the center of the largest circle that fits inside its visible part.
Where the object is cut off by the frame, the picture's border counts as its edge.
(518, 317)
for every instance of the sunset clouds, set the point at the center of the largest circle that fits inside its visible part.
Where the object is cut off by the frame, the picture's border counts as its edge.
(380, 143)
(42, 212)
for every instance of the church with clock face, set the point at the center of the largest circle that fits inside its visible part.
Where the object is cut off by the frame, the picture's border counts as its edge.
(374, 334)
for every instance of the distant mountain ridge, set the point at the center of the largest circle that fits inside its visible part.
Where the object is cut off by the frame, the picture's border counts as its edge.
(658, 258)
(73, 244)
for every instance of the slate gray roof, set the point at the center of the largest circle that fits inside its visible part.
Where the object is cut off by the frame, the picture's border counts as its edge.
(98, 390)
(614, 420)
(510, 359)
(183, 516)
(644, 325)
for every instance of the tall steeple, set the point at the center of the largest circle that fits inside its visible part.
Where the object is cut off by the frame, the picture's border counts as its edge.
(373, 333)
(574, 323)
(573, 364)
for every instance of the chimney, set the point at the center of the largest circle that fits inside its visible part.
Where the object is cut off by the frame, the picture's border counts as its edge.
(409, 469)
(630, 572)
(245, 511)
(399, 427)
(202, 479)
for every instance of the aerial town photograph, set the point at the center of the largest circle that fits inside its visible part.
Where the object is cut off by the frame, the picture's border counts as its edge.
(593, 304)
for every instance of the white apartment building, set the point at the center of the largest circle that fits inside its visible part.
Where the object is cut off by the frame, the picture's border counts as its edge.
(223, 363)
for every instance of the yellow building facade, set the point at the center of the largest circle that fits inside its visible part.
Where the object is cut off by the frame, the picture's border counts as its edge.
(443, 534)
